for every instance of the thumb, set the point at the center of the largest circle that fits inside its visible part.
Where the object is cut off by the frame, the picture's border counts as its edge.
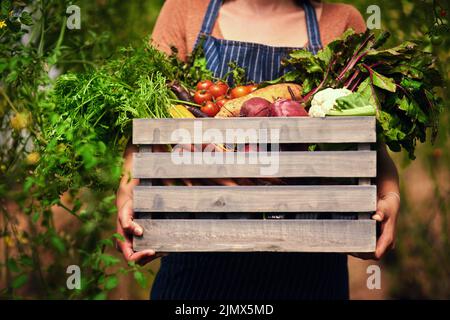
(380, 213)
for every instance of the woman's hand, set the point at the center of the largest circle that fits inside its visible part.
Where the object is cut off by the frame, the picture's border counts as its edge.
(388, 204)
(388, 207)
(125, 224)
(128, 228)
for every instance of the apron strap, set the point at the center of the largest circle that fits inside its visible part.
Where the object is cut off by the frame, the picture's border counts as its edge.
(312, 26)
(210, 19)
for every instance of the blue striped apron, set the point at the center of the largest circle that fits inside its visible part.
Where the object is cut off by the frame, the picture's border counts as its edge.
(259, 275)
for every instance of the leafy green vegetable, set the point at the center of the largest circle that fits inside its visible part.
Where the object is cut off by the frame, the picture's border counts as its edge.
(354, 104)
(401, 82)
(92, 113)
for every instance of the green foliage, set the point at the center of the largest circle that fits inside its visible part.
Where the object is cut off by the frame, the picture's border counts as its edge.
(402, 81)
(419, 266)
(69, 140)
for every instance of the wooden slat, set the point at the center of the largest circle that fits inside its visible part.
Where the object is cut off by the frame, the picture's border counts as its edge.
(255, 199)
(280, 164)
(145, 149)
(365, 181)
(257, 235)
(291, 130)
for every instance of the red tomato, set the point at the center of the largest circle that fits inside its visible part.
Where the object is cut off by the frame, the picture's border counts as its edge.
(210, 108)
(204, 85)
(220, 101)
(218, 89)
(252, 87)
(240, 91)
(202, 96)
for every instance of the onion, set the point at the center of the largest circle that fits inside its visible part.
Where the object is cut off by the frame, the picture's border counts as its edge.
(287, 108)
(256, 107)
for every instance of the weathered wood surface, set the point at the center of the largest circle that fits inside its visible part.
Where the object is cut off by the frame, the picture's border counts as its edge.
(255, 164)
(291, 130)
(145, 149)
(364, 181)
(255, 199)
(257, 235)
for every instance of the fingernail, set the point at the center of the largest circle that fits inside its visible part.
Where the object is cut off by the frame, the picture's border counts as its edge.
(139, 231)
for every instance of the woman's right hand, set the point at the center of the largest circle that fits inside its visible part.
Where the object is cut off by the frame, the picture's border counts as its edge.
(128, 228)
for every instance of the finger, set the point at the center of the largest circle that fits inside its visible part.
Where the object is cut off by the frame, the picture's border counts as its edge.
(150, 258)
(225, 182)
(378, 216)
(168, 182)
(380, 213)
(386, 240)
(129, 226)
(141, 257)
(126, 248)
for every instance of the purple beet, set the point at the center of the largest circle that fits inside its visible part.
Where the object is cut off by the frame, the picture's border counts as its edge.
(287, 108)
(256, 107)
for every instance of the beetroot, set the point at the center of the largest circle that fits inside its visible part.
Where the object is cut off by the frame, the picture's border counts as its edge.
(287, 108)
(256, 107)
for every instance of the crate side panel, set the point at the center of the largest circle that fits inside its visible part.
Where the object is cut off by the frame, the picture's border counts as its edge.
(255, 164)
(255, 199)
(242, 130)
(257, 235)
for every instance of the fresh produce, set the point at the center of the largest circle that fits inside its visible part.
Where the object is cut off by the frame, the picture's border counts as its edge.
(233, 107)
(196, 112)
(180, 91)
(220, 102)
(210, 109)
(343, 103)
(287, 108)
(325, 100)
(401, 82)
(180, 111)
(252, 87)
(204, 85)
(256, 107)
(219, 89)
(240, 92)
(92, 112)
(203, 96)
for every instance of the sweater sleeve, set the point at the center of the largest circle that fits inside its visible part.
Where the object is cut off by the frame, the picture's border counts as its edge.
(170, 28)
(355, 20)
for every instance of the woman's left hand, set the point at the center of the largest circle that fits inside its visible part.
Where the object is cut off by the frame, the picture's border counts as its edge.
(387, 213)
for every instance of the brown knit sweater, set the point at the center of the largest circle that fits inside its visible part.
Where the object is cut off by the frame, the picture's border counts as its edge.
(180, 22)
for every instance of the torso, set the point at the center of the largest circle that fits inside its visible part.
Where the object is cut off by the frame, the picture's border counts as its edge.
(280, 26)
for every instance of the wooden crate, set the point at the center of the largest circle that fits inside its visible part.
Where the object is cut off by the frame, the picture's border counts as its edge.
(167, 234)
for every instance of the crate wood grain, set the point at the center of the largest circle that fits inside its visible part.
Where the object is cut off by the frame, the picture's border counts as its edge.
(290, 164)
(291, 130)
(171, 232)
(257, 235)
(255, 199)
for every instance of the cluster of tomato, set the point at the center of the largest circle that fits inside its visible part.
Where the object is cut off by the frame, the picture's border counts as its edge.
(213, 96)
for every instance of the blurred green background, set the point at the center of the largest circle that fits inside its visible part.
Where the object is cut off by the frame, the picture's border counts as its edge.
(418, 268)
